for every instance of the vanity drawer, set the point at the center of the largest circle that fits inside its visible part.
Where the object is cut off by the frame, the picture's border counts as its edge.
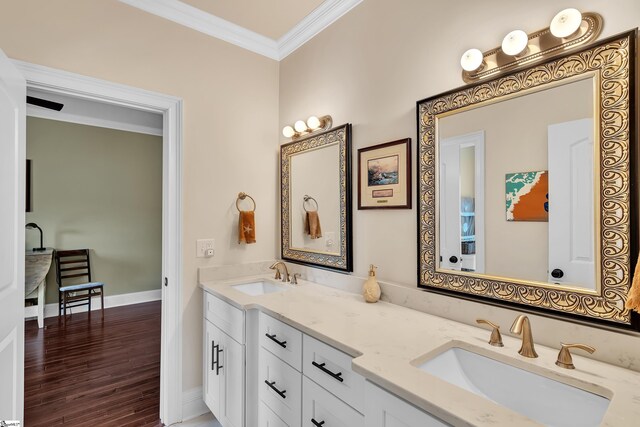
(331, 369)
(226, 317)
(281, 339)
(267, 418)
(280, 387)
(325, 409)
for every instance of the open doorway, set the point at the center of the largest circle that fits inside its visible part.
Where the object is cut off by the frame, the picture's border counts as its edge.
(95, 184)
(170, 108)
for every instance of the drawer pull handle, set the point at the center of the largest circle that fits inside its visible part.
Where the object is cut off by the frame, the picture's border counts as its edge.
(272, 386)
(213, 352)
(320, 366)
(218, 365)
(282, 344)
(317, 424)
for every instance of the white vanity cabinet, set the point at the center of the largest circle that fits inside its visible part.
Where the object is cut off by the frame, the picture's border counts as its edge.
(224, 361)
(383, 409)
(290, 379)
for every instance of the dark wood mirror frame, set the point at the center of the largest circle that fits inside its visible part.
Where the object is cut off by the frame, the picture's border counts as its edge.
(343, 260)
(613, 61)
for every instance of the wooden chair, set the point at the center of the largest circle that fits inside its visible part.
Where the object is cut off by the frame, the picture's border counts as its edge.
(74, 264)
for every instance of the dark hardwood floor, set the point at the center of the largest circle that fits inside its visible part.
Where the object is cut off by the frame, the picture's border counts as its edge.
(90, 372)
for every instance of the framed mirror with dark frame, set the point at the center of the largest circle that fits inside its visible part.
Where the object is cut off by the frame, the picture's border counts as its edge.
(315, 207)
(527, 186)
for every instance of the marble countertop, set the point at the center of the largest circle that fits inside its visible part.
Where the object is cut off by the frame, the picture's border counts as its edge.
(385, 339)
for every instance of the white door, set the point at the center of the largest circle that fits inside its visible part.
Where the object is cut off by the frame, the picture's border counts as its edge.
(450, 249)
(13, 94)
(571, 208)
(454, 173)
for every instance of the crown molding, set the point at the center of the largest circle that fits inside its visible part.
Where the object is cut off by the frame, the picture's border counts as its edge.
(181, 13)
(196, 19)
(323, 16)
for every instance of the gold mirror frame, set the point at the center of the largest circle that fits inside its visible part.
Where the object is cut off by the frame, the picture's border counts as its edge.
(613, 64)
(343, 260)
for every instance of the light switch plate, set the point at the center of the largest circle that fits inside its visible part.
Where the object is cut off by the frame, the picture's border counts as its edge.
(205, 248)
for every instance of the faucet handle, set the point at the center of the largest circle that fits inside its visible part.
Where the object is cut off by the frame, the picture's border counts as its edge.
(495, 339)
(277, 276)
(294, 278)
(564, 357)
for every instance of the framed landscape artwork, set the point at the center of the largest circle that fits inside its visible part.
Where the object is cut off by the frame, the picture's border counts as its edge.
(384, 176)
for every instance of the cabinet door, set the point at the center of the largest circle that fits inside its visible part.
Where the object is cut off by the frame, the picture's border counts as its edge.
(231, 361)
(383, 409)
(213, 339)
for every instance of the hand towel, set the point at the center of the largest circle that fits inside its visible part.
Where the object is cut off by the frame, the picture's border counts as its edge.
(246, 227)
(633, 299)
(312, 225)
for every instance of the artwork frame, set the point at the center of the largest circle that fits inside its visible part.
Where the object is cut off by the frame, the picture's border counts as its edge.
(384, 175)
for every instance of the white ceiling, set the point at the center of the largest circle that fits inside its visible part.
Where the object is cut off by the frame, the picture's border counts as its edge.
(264, 20)
(271, 18)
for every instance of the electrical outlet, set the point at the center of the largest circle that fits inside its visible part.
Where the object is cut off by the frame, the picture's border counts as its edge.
(205, 248)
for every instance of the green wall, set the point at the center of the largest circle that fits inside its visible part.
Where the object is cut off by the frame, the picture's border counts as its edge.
(100, 189)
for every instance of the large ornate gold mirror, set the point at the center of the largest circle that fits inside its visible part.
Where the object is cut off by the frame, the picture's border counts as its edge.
(525, 185)
(315, 179)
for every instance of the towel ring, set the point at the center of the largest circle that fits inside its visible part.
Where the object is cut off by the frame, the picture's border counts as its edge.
(242, 196)
(307, 199)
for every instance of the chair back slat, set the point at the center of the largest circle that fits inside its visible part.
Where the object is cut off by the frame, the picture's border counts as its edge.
(72, 260)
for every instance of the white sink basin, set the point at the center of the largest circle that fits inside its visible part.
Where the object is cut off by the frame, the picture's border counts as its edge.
(258, 288)
(544, 400)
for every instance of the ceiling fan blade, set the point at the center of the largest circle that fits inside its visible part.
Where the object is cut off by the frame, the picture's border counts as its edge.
(44, 103)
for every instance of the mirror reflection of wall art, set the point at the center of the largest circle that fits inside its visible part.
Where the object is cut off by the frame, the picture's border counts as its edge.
(527, 196)
(384, 176)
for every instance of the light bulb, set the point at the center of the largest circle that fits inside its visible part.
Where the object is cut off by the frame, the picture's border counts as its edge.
(471, 60)
(288, 131)
(515, 42)
(566, 22)
(300, 126)
(313, 122)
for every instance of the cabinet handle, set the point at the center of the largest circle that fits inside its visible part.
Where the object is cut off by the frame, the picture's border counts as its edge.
(317, 424)
(320, 366)
(271, 385)
(213, 352)
(282, 344)
(218, 365)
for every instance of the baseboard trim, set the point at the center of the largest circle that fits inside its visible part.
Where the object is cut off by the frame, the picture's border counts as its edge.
(192, 404)
(51, 310)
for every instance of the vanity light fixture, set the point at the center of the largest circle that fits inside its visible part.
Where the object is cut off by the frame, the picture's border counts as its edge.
(568, 30)
(312, 124)
(515, 42)
(566, 22)
(471, 60)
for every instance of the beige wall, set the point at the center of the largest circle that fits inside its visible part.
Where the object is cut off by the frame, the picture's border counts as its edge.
(100, 189)
(516, 141)
(230, 118)
(371, 67)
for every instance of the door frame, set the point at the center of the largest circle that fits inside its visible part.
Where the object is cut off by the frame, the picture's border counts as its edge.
(63, 82)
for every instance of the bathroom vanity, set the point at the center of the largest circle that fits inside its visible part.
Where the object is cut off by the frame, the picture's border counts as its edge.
(277, 354)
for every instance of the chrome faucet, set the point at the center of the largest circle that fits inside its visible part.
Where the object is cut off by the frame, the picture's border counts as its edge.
(275, 266)
(522, 326)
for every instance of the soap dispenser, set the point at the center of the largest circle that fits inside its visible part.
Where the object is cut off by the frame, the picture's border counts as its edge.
(371, 289)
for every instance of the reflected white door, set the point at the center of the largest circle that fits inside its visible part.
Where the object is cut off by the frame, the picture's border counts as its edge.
(450, 230)
(571, 208)
(12, 205)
